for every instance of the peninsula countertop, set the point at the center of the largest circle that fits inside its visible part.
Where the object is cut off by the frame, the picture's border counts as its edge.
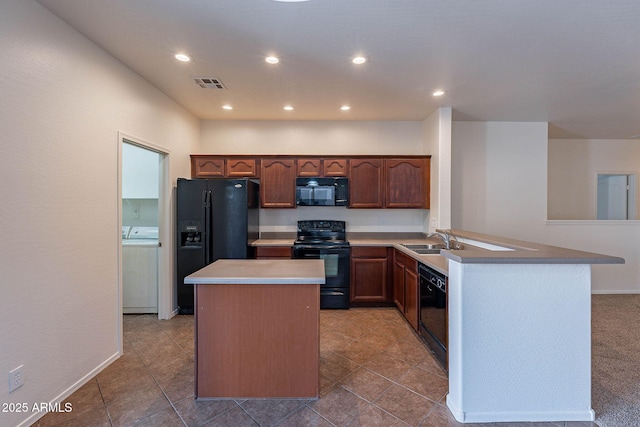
(254, 271)
(496, 250)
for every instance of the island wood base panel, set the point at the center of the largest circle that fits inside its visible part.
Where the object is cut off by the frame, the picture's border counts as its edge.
(257, 341)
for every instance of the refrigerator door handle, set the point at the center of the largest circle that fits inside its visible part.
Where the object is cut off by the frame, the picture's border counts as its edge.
(207, 226)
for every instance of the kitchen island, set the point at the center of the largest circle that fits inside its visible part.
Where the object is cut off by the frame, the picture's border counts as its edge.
(257, 328)
(519, 326)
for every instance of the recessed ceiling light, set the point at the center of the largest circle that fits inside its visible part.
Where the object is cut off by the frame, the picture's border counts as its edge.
(290, 1)
(288, 108)
(227, 107)
(359, 60)
(182, 57)
(438, 92)
(345, 108)
(272, 59)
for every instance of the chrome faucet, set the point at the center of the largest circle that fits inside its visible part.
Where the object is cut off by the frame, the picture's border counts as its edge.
(446, 236)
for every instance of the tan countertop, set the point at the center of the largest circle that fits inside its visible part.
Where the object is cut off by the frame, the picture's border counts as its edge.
(255, 271)
(520, 252)
(437, 262)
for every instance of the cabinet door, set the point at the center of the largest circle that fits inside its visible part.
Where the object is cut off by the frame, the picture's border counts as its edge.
(277, 183)
(334, 167)
(407, 183)
(207, 167)
(398, 285)
(365, 183)
(308, 167)
(241, 168)
(411, 297)
(369, 280)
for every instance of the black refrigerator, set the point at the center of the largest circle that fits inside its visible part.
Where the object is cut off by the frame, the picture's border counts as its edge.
(216, 218)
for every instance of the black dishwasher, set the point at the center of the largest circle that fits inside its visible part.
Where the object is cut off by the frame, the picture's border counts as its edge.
(433, 311)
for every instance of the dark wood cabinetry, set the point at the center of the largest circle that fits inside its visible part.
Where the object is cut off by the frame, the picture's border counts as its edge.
(407, 183)
(334, 167)
(321, 167)
(389, 183)
(366, 183)
(405, 286)
(309, 167)
(207, 167)
(273, 252)
(374, 182)
(241, 168)
(277, 183)
(370, 274)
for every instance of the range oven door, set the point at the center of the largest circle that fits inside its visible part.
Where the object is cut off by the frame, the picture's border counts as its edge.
(433, 312)
(335, 292)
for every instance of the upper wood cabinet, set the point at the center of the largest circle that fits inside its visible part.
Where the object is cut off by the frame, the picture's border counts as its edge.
(277, 183)
(322, 167)
(241, 168)
(407, 183)
(334, 167)
(207, 167)
(309, 167)
(366, 188)
(374, 182)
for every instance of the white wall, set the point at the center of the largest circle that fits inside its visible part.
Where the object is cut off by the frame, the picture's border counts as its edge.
(140, 168)
(63, 102)
(573, 168)
(499, 186)
(319, 138)
(437, 137)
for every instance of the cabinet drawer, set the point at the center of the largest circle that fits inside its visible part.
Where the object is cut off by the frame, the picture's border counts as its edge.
(273, 252)
(368, 252)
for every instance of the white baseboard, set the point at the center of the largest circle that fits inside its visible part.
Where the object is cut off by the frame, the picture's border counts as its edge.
(614, 292)
(70, 390)
(533, 416)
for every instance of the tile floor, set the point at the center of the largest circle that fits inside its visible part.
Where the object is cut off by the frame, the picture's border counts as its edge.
(374, 371)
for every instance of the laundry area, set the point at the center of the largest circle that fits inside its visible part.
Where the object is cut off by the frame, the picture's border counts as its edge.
(140, 181)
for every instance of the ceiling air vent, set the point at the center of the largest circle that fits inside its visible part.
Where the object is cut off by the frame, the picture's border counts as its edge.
(209, 82)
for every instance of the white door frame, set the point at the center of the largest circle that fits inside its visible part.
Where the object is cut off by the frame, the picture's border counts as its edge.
(165, 237)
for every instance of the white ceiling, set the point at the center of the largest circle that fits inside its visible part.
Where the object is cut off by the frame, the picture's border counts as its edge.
(573, 63)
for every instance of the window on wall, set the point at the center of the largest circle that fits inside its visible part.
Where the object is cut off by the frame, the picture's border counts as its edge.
(616, 196)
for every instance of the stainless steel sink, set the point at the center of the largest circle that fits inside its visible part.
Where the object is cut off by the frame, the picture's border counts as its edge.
(425, 249)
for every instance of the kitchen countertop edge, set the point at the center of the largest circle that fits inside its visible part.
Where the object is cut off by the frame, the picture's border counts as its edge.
(259, 272)
(522, 253)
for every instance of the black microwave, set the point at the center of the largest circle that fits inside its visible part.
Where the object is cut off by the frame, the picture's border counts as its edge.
(322, 191)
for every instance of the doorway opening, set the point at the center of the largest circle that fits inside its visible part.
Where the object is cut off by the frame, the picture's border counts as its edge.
(144, 197)
(616, 196)
(140, 218)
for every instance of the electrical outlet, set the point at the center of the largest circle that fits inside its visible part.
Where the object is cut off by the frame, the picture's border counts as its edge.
(16, 378)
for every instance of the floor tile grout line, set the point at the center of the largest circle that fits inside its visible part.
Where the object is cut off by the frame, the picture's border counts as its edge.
(319, 414)
(161, 390)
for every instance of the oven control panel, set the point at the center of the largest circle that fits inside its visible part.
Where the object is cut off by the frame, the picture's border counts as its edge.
(328, 225)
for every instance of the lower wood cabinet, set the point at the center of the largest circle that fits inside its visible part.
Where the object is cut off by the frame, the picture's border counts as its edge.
(273, 252)
(370, 274)
(405, 286)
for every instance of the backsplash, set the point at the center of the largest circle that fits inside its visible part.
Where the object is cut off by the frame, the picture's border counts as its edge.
(140, 212)
(358, 220)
